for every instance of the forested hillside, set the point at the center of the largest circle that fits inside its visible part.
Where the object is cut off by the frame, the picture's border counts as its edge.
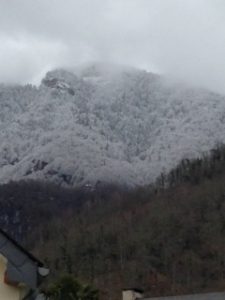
(107, 123)
(166, 238)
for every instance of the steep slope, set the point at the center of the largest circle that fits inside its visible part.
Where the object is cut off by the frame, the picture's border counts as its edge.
(104, 123)
(168, 239)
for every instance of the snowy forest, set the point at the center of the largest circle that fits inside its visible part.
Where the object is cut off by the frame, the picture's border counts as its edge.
(104, 123)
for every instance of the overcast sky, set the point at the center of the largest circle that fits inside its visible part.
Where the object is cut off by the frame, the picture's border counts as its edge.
(184, 39)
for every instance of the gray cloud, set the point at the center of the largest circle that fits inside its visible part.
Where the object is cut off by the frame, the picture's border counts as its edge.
(184, 39)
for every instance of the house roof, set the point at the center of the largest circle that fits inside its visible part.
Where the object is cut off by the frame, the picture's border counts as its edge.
(21, 248)
(205, 296)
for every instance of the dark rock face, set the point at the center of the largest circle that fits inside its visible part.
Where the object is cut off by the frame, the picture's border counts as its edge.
(54, 83)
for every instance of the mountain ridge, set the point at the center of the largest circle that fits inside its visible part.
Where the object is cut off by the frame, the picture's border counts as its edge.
(82, 127)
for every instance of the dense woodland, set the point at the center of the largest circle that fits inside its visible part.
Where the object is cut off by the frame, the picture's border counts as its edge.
(167, 238)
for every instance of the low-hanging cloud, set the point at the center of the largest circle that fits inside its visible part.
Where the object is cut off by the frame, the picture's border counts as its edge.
(184, 39)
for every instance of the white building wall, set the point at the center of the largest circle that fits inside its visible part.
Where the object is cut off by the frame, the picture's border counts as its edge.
(8, 292)
(131, 295)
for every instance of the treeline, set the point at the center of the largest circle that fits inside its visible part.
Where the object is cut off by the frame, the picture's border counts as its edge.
(195, 170)
(167, 238)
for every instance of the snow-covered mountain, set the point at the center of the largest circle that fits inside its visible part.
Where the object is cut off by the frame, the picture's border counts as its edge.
(104, 123)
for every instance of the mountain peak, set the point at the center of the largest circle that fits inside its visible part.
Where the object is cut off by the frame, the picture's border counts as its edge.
(61, 80)
(117, 124)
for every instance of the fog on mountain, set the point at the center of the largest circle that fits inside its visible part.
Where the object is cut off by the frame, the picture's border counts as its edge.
(104, 123)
